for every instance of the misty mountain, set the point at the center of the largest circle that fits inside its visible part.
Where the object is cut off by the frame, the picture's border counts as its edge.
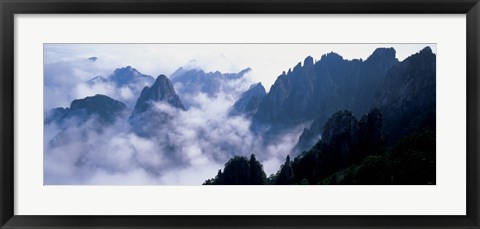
(96, 80)
(310, 135)
(318, 90)
(190, 82)
(93, 58)
(128, 75)
(161, 91)
(407, 96)
(249, 101)
(366, 121)
(351, 152)
(124, 84)
(357, 154)
(345, 141)
(100, 107)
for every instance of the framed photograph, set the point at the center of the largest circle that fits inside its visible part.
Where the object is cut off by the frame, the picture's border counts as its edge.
(245, 114)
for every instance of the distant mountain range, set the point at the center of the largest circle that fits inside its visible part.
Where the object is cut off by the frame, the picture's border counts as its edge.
(249, 101)
(100, 107)
(308, 93)
(127, 81)
(312, 92)
(407, 95)
(128, 75)
(190, 82)
(393, 98)
(351, 152)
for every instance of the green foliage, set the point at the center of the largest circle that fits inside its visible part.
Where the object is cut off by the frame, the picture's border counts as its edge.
(414, 158)
(308, 165)
(240, 171)
(257, 175)
(237, 171)
(285, 175)
(410, 161)
(373, 170)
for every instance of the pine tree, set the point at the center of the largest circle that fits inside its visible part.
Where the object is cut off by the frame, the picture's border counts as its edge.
(285, 176)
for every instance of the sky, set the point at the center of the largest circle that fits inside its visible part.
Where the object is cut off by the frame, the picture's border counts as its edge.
(266, 60)
(205, 136)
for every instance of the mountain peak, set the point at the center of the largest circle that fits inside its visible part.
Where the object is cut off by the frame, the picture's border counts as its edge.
(257, 89)
(331, 56)
(189, 83)
(249, 101)
(161, 80)
(104, 107)
(238, 75)
(408, 93)
(128, 74)
(178, 72)
(96, 79)
(308, 61)
(297, 67)
(256, 85)
(161, 90)
(342, 123)
(93, 58)
(424, 53)
(427, 50)
(89, 100)
(125, 69)
(383, 53)
(244, 71)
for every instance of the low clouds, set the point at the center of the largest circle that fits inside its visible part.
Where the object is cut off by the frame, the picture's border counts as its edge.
(182, 147)
(76, 78)
(65, 81)
(176, 147)
(267, 60)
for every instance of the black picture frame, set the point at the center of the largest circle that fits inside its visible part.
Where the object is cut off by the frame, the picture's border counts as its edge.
(9, 8)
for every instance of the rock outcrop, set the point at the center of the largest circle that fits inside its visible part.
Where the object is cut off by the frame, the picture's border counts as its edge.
(249, 101)
(100, 107)
(128, 75)
(189, 83)
(316, 90)
(345, 141)
(407, 96)
(161, 91)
